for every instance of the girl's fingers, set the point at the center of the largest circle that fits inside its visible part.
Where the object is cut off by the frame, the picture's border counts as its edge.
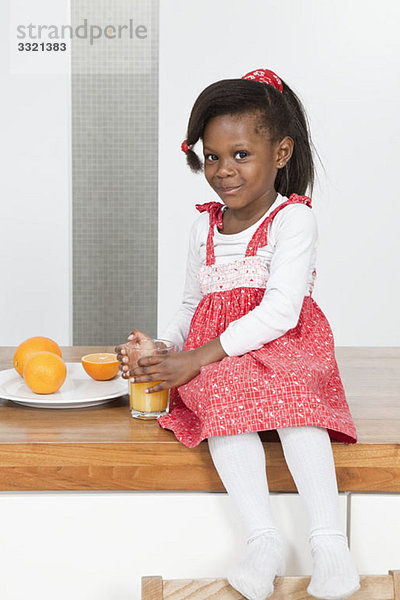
(146, 361)
(152, 372)
(149, 373)
(157, 388)
(144, 378)
(135, 334)
(147, 367)
(121, 352)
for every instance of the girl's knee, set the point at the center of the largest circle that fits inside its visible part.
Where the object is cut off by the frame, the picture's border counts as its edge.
(302, 431)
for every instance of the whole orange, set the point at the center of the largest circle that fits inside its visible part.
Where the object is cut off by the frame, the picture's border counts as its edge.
(33, 344)
(44, 372)
(101, 365)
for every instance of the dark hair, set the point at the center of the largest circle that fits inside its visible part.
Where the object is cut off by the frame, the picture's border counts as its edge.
(281, 113)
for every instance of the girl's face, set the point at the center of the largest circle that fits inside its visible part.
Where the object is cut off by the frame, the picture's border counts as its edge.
(241, 164)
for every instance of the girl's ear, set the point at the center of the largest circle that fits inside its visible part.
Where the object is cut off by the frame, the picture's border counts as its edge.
(284, 151)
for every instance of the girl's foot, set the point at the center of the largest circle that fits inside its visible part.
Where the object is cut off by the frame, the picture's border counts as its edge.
(334, 575)
(254, 574)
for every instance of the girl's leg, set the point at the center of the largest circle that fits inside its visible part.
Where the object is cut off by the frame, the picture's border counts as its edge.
(308, 454)
(240, 462)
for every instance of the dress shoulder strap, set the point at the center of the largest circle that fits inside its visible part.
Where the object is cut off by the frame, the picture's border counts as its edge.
(260, 236)
(214, 210)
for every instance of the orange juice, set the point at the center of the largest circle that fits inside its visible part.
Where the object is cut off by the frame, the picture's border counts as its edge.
(149, 405)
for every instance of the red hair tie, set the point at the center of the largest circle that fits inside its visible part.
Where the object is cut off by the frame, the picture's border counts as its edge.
(185, 147)
(265, 76)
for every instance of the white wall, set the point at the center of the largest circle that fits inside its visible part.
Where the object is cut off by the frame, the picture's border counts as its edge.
(375, 532)
(35, 248)
(341, 59)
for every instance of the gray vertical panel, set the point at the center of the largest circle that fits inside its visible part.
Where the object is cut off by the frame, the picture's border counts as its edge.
(114, 174)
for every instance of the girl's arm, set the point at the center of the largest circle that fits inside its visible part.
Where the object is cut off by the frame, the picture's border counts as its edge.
(178, 328)
(279, 310)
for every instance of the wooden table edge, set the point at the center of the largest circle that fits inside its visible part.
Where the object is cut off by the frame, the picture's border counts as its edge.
(142, 467)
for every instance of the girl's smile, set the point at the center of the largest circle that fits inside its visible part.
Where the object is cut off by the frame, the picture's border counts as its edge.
(241, 164)
(229, 190)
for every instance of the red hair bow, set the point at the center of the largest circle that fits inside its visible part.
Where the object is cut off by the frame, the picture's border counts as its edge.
(185, 147)
(265, 76)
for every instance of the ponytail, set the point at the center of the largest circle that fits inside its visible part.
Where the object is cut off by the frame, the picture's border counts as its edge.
(298, 173)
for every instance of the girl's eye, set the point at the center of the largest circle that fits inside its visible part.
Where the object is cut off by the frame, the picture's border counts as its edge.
(214, 157)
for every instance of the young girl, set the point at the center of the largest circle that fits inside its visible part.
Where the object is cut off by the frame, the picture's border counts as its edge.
(255, 350)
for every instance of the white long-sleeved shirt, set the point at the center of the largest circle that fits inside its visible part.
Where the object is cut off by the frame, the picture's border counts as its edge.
(290, 256)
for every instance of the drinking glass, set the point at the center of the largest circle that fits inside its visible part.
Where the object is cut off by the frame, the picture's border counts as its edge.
(147, 405)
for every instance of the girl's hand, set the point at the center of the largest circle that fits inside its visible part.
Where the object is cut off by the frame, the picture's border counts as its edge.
(128, 354)
(172, 370)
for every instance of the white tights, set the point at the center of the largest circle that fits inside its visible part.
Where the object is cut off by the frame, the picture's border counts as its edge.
(240, 462)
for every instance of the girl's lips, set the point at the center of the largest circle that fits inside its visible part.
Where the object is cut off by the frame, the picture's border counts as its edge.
(229, 190)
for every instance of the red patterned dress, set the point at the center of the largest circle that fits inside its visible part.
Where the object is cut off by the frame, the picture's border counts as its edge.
(291, 381)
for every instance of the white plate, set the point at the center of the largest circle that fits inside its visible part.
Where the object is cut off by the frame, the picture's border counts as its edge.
(78, 390)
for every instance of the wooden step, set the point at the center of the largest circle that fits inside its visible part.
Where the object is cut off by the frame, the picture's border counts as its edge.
(373, 587)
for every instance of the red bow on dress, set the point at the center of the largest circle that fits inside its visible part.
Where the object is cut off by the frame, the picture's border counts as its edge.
(215, 211)
(260, 237)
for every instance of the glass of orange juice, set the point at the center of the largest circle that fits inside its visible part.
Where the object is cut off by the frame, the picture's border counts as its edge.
(147, 405)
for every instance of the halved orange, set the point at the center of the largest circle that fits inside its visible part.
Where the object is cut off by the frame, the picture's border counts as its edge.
(101, 365)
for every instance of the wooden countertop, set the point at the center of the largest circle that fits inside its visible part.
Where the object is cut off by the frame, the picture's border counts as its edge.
(103, 448)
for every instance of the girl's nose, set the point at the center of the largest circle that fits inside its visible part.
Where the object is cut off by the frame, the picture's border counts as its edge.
(225, 167)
